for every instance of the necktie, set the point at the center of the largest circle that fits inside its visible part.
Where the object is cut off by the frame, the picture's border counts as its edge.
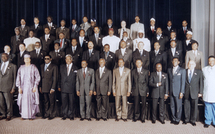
(106, 55)
(73, 50)
(81, 41)
(100, 72)
(45, 67)
(139, 70)
(90, 52)
(50, 27)
(37, 53)
(3, 68)
(96, 38)
(141, 53)
(152, 30)
(190, 76)
(84, 74)
(159, 76)
(73, 28)
(67, 70)
(61, 42)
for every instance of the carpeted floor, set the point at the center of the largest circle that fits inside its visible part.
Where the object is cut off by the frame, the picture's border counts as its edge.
(58, 126)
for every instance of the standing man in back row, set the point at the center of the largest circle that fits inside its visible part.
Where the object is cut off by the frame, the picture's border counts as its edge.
(135, 27)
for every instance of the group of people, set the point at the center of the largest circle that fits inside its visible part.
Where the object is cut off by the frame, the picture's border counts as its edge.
(45, 62)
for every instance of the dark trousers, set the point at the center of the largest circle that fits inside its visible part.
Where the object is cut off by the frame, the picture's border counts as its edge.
(102, 106)
(67, 104)
(6, 98)
(190, 109)
(139, 112)
(85, 108)
(176, 108)
(49, 104)
(161, 108)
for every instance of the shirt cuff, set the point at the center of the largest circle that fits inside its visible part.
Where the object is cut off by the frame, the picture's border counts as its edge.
(52, 89)
(157, 85)
(166, 94)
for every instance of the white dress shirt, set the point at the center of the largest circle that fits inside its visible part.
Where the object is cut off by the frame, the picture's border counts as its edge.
(173, 51)
(47, 36)
(101, 70)
(36, 25)
(70, 66)
(113, 41)
(195, 52)
(174, 69)
(123, 51)
(5, 67)
(187, 42)
(81, 40)
(121, 70)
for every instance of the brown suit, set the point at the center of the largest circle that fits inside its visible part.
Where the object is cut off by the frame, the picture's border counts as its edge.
(198, 59)
(121, 86)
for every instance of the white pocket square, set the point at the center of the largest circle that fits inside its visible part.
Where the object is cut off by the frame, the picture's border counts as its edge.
(178, 74)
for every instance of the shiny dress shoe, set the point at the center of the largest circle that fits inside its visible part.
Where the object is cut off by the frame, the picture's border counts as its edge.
(81, 119)
(153, 122)
(89, 119)
(116, 119)
(176, 123)
(184, 123)
(50, 118)
(206, 126)
(105, 119)
(134, 120)
(172, 122)
(64, 118)
(8, 118)
(71, 118)
(143, 121)
(2, 117)
(162, 122)
(125, 120)
(193, 123)
(97, 119)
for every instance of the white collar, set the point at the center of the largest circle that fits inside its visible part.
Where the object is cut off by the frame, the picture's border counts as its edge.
(48, 64)
(62, 27)
(175, 68)
(47, 35)
(85, 22)
(50, 23)
(69, 65)
(57, 50)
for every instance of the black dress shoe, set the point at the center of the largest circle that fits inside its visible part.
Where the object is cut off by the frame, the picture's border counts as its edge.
(50, 118)
(64, 118)
(125, 120)
(143, 121)
(206, 126)
(172, 122)
(89, 119)
(44, 117)
(97, 119)
(176, 123)
(153, 122)
(81, 119)
(193, 123)
(184, 123)
(162, 122)
(116, 119)
(2, 117)
(8, 118)
(134, 120)
(71, 118)
(105, 119)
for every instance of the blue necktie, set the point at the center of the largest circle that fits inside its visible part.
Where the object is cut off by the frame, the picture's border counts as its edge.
(190, 76)
(45, 67)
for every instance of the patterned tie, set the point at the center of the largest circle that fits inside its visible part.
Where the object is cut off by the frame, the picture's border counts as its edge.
(190, 76)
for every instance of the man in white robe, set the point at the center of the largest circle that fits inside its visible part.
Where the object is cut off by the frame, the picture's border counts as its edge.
(30, 41)
(141, 38)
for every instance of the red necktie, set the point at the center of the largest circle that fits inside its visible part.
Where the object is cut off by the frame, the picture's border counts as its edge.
(184, 31)
(84, 74)
(61, 43)
(153, 30)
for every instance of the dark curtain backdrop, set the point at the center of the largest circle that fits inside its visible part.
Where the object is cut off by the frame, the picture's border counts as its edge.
(11, 11)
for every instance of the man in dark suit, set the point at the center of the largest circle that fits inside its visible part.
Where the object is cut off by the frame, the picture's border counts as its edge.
(150, 33)
(48, 85)
(16, 40)
(187, 43)
(177, 78)
(102, 90)
(96, 38)
(91, 56)
(179, 45)
(169, 29)
(158, 56)
(23, 28)
(74, 29)
(82, 40)
(37, 56)
(64, 43)
(63, 29)
(85, 84)
(37, 28)
(109, 57)
(193, 90)
(140, 53)
(67, 87)
(183, 31)
(162, 39)
(76, 53)
(7, 88)
(90, 30)
(52, 27)
(159, 82)
(57, 55)
(125, 54)
(140, 90)
(129, 42)
(47, 41)
(20, 55)
(105, 29)
(11, 56)
(174, 52)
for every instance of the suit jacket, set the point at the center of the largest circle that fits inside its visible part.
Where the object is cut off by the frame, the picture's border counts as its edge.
(163, 41)
(93, 60)
(195, 86)
(181, 35)
(67, 82)
(58, 58)
(77, 55)
(65, 31)
(167, 32)
(74, 33)
(37, 60)
(65, 44)
(38, 32)
(198, 59)
(97, 46)
(20, 59)
(8, 79)
(85, 43)
(187, 47)
(49, 77)
(105, 30)
(24, 32)
(127, 57)
(119, 32)
(158, 91)
(109, 61)
(52, 30)
(150, 34)
(87, 84)
(139, 82)
(178, 53)
(103, 84)
(176, 81)
(129, 44)
(121, 84)
(179, 44)
(145, 58)
(161, 57)
(47, 45)
(15, 43)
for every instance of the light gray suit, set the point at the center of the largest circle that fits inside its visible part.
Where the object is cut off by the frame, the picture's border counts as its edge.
(85, 27)
(121, 86)
(135, 27)
(7, 82)
(198, 59)
(84, 86)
